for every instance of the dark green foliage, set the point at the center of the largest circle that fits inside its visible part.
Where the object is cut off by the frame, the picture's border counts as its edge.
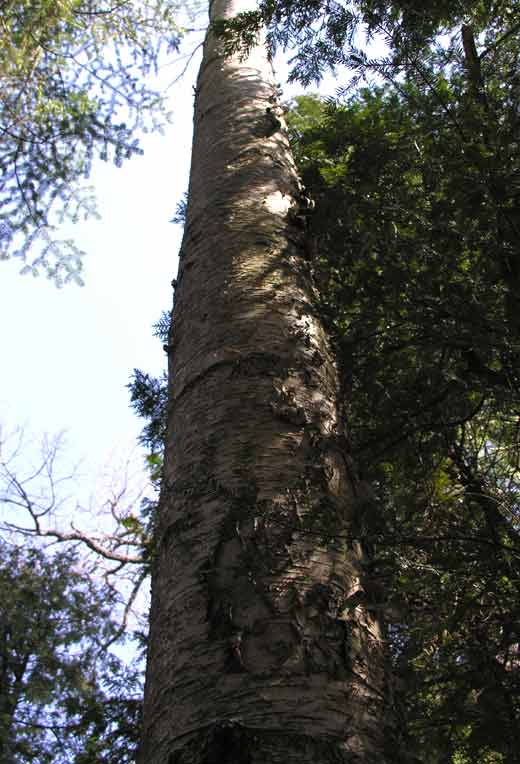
(180, 211)
(327, 35)
(63, 698)
(149, 398)
(415, 241)
(161, 328)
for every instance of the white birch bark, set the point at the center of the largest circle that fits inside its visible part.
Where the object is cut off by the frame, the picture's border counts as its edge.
(259, 649)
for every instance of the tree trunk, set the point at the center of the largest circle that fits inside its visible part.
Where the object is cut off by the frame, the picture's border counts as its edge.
(262, 646)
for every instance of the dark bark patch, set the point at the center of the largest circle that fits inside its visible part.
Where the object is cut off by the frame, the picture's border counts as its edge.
(260, 364)
(232, 743)
(229, 745)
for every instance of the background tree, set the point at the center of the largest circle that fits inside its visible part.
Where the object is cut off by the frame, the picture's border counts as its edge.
(413, 249)
(63, 697)
(74, 84)
(113, 531)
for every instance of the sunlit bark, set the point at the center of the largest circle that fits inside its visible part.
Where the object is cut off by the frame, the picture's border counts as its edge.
(262, 646)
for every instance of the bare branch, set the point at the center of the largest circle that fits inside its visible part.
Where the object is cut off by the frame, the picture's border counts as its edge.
(35, 491)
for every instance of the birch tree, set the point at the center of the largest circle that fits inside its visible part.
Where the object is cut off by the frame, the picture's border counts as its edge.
(265, 642)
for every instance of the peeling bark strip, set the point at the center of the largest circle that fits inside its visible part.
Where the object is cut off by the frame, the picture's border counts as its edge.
(261, 648)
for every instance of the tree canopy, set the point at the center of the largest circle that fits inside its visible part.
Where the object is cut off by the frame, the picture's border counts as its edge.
(73, 86)
(63, 696)
(414, 246)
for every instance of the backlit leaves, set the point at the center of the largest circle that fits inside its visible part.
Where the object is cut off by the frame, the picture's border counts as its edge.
(73, 86)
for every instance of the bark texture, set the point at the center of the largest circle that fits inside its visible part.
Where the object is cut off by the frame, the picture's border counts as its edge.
(262, 646)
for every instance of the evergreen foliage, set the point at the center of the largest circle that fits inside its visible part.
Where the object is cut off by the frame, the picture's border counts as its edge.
(64, 698)
(414, 248)
(149, 397)
(73, 86)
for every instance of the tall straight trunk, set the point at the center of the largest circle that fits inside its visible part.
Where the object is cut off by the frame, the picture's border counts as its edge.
(261, 649)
